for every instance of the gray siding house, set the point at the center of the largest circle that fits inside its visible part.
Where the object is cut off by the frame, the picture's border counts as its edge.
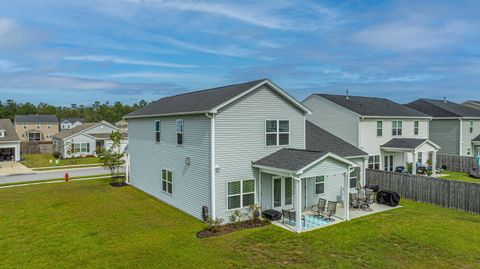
(391, 134)
(454, 127)
(230, 147)
(9, 142)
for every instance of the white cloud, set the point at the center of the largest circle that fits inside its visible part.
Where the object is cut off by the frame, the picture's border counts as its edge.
(8, 66)
(120, 60)
(409, 36)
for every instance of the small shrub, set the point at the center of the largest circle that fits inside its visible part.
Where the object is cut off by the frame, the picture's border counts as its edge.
(254, 211)
(56, 155)
(214, 225)
(238, 218)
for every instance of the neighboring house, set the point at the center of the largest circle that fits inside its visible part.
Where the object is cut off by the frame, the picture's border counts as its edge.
(122, 125)
(36, 127)
(230, 147)
(9, 142)
(454, 127)
(393, 135)
(69, 123)
(472, 104)
(85, 139)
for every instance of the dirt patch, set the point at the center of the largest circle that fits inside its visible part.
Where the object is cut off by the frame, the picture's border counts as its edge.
(229, 228)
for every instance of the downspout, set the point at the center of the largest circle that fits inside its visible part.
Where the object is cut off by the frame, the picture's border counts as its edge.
(461, 138)
(212, 163)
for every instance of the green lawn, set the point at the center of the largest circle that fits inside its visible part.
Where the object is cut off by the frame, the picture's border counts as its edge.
(43, 160)
(91, 224)
(459, 176)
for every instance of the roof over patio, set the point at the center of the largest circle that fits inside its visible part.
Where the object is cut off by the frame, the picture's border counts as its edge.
(406, 144)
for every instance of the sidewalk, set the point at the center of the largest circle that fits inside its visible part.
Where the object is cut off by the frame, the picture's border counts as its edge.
(10, 168)
(43, 168)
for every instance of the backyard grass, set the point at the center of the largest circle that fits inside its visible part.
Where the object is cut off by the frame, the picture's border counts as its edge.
(91, 224)
(459, 176)
(43, 160)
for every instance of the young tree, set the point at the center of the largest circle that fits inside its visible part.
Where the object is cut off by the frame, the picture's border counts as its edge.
(113, 158)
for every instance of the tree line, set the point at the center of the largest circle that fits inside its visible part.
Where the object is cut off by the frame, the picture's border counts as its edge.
(92, 113)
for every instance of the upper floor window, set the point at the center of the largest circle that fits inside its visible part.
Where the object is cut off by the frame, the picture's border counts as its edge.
(396, 127)
(379, 128)
(167, 181)
(277, 132)
(24, 126)
(416, 126)
(471, 126)
(179, 132)
(157, 131)
(469, 151)
(33, 136)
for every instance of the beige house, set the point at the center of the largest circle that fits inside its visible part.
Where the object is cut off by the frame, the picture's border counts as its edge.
(36, 127)
(122, 125)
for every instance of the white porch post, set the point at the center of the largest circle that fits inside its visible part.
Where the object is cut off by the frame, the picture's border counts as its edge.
(414, 163)
(346, 194)
(434, 163)
(298, 204)
(259, 201)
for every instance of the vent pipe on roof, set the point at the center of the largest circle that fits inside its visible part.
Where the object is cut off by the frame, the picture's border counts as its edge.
(445, 100)
(347, 96)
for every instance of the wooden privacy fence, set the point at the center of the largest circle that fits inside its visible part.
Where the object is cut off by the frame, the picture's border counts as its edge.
(460, 195)
(36, 147)
(456, 163)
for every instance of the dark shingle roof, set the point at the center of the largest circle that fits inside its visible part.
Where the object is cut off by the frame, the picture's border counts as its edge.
(107, 135)
(10, 133)
(199, 101)
(73, 120)
(476, 139)
(372, 106)
(67, 133)
(441, 108)
(290, 159)
(317, 139)
(404, 143)
(36, 118)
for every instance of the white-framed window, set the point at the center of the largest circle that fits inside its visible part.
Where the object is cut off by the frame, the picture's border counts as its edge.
(374, 162)
(379, 128)
(319, 185)
(420, 157)
(416, 127)
(469, 151)
(157, 131)
(33, 136)
(240, 194)
(353, 178)
(471, 126)
(167, 181)
(396, 128)
(179, 124)
(81, 147)
(277, 132)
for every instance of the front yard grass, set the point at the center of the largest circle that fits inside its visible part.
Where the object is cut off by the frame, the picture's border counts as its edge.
(459, 176)
(43, 160)
(91, 224)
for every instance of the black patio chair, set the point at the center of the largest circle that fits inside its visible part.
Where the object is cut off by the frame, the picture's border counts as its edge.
(331, 210)
(319, 208)
(291, 216)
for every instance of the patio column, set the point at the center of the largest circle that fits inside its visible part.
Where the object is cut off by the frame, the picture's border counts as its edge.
(414, 163)
(298, 204)
(434, 163)
(346, 194)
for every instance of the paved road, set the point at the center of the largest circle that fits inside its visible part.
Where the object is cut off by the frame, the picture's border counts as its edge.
(42, 175)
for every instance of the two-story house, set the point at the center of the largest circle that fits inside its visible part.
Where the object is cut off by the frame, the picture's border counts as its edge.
(393, 135)
(230, 147)
(69, 123)
(455, 127)
(36, 127)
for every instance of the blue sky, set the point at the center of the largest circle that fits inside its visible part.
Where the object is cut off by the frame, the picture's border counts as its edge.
(65, 52)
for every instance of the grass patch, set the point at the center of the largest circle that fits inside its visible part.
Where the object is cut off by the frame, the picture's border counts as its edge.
(43, 160)
(91, 224)
(53, 179)
(459, 176)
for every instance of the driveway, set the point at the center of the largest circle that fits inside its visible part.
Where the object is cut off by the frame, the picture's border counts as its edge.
(8, 168)
(52, 174)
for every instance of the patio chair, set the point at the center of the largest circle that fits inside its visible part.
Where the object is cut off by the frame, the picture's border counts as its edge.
(331, 210)
(291, 216)
(368, 200)
(353, 200)
(319, 208)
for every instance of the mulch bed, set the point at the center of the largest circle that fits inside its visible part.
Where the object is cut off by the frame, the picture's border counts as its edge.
(118, 184)
(228, 228)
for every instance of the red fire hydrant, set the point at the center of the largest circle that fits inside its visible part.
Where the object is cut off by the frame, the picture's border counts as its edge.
(66, 177)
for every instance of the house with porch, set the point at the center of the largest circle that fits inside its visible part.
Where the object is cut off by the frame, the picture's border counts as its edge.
(454, 127)
(85, 140)
(36, 127)
(230, 147)
(9, 142)
(393, 135)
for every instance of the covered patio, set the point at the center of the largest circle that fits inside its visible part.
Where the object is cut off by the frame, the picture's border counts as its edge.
(292, 180)
(401, 151)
